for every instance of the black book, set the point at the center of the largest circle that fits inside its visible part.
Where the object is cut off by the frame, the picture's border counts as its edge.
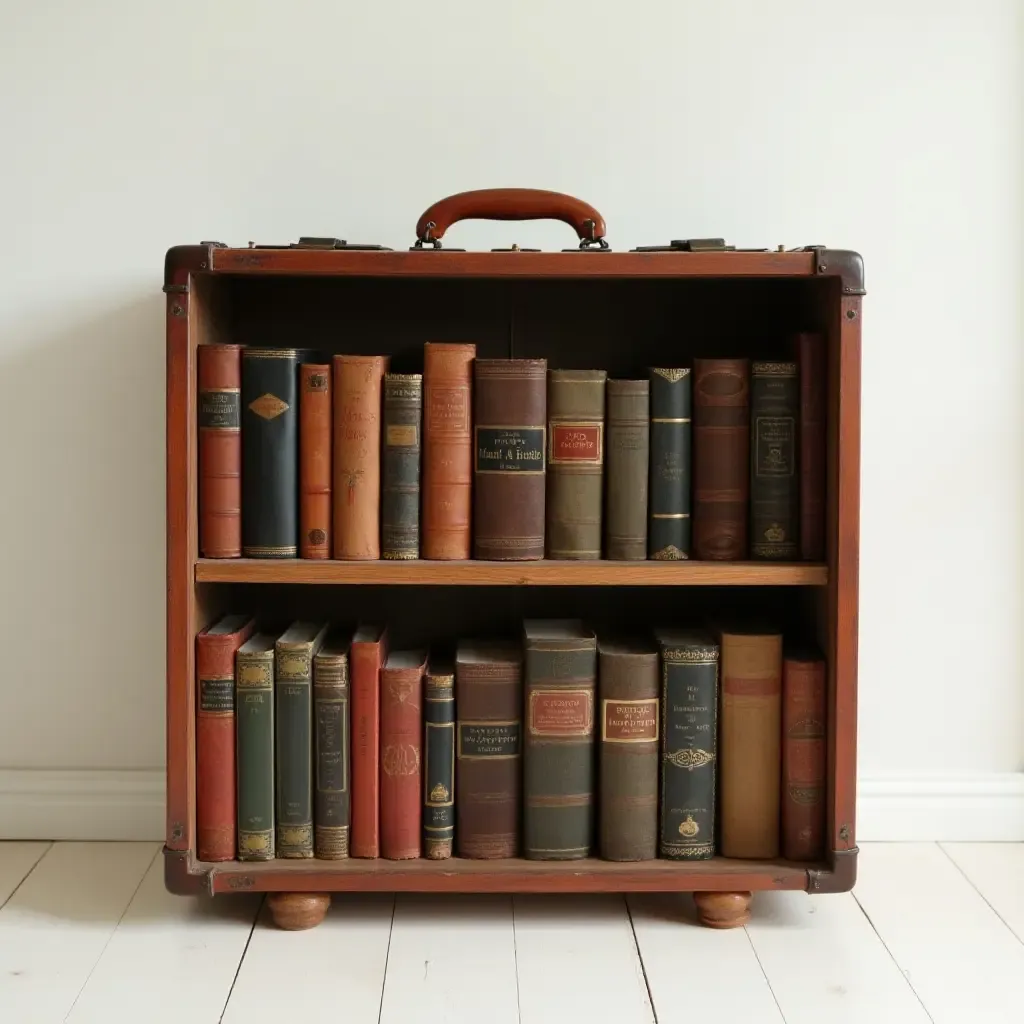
(439, 759)
(774, 483)
(270, 452)
(668, 535)
(689, 743)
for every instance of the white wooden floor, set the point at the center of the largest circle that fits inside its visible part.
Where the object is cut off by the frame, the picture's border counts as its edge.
(933, 933)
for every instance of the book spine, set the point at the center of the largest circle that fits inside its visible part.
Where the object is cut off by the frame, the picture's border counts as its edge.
(254, 692)
(315, 416)
(509, 458)
(401, 750)
(689, 748)
(216, 818)
(626, 469)
(811, 360)
(357, 412)
(721, 458)
(365, 662)
(400, 498)
(220, 450)
(438, 764)
(804, 753)
(750, 741)
(774, 483)
(293, 718)
(628, 788)
(331, 714)
(488, 777)
(270, 453)
(558, 752)
(575, 463)
(447, 450)
(670, 534)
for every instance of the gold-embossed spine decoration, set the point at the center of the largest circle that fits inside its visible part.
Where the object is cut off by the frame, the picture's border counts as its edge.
(439, 761)
(400, 472)
(689, 743)
(332, 801)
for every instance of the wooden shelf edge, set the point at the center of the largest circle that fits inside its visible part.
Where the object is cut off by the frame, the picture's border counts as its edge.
(505, 876)
(511, 574)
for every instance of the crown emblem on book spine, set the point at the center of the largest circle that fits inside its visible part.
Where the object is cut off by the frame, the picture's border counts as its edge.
(775, 533)
(689, 827)
(439, 793)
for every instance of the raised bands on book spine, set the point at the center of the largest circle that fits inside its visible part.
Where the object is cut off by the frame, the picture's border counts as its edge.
(558, 750)
(270, 453)
(357, 417)
(774, 482)
(628, 410)
(447, 450)
(804, 755)
(400, 497)
(333, 776)
(575, 463)
(315, 468)
(669, 537)
(439, 760)
(220, 450)
(689, 744)
(509, 458)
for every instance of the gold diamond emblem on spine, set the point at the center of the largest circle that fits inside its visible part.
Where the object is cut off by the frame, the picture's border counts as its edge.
(268, 406)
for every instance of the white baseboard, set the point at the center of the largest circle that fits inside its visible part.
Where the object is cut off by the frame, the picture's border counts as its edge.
(129, 805)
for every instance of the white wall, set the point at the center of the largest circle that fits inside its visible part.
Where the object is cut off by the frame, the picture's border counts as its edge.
(890, 127)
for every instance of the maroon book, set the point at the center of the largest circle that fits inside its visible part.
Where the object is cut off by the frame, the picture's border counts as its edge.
(220, 450)
(368, 652)
(811, 361)
(804, 764)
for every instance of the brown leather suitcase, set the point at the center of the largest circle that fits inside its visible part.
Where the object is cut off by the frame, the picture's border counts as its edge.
(595, 303)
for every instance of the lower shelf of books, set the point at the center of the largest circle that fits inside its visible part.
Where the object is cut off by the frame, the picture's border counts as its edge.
(511, 875)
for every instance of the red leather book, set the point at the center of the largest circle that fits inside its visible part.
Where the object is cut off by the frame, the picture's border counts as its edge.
(215, 735)
(804, 756)
(447, 487)
(401, 750)
(315, 460)
(811, 361)
(220, 450)
(367, 654)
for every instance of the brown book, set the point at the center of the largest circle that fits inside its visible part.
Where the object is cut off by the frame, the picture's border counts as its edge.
(367, 654)
(357, 411)
(750, 754)
(575, 463)
(401, 754)
(804, 755)
(811, 361)
(447, 450)
(628, 412)
(488, 783)
(220, 450)
(628, 778)
(508, 434)
(721, 458)
(315, 416)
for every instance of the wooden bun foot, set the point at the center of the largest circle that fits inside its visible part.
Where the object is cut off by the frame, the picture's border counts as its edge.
(296, 911)
(723, 909)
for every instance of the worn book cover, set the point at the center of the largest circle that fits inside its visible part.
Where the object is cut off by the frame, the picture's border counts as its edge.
(439, 758)
(400, 496)
(558, 749)
(315, 468)
(804, 754)
(812, 363)
(774, 481)
(669, 537)
(626, 469)
(367, 654)
(331, 734)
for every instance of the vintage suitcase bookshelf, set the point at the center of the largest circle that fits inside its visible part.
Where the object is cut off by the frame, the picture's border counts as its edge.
(587, 307)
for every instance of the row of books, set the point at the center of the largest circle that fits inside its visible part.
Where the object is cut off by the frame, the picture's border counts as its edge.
(508, 459)
(321, 741)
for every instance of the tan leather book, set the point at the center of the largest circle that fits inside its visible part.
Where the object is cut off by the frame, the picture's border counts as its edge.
(447, 450)
(358, 382)
(509, 427)
(804, 754)
(575, 463)
(750, 745)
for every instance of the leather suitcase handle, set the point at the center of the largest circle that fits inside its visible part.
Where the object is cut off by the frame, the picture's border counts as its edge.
(511, 204)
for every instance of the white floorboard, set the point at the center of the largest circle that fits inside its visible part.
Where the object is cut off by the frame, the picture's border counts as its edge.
(577, 961)
(170, 959)
(334, 972)
(962, 960)
(696, 973)
(452, 960)
(16, 861)
(996, 870)
(824, 962)
(53, 930)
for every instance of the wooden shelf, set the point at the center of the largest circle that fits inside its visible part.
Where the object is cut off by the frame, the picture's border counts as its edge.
(513, 574)
(513, 875)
